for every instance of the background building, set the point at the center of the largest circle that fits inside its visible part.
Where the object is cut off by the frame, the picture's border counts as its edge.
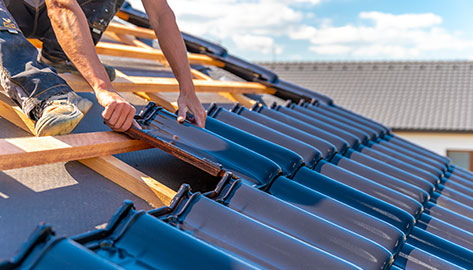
(430, 103)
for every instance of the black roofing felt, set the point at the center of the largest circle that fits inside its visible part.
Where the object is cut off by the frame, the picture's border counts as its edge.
(65, 194)
(69, 195)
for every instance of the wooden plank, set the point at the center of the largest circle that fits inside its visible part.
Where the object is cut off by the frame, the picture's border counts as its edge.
(110, 167)
(113, 49)
(158, 99)
(155, 97)
(232, 97)
(136, 182)
(138, 32)
(121, 50)
(133, 42)
(149, 34)
(149, 84)
(12, 113)
(32, 151)
(232, 90)
(244, 101)
(200, 76)
(125, 39)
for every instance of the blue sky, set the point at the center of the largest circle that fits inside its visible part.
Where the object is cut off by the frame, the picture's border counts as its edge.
(308, 30)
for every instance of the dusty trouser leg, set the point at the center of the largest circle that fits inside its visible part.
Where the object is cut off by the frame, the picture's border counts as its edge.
(99, 14)
(26, 81)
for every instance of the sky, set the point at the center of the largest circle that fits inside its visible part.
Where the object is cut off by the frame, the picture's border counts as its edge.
(332, 30)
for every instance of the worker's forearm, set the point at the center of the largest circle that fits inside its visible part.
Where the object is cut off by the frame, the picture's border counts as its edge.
(72, 31)
(163, 21)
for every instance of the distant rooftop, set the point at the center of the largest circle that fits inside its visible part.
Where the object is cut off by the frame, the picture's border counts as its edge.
(428, 95)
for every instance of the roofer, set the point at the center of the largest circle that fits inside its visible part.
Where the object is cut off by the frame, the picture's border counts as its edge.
(69, 29)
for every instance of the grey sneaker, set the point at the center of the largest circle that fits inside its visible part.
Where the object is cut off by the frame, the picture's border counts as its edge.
(65, 66)
(61, 114)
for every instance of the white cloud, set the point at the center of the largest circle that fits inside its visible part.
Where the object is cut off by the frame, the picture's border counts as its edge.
(403, 21)
(242, 21)
(303, 32)
(263, 44)
(389, 36)
(225, 18)
(331, 49)
(254, 25)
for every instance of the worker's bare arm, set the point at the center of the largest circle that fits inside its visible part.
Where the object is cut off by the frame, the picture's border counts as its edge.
(163, 21)
(72, 31)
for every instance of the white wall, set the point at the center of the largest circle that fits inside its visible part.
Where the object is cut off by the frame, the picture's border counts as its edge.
(440, 142)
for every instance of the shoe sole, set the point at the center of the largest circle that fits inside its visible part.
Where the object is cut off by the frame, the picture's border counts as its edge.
(60, 124)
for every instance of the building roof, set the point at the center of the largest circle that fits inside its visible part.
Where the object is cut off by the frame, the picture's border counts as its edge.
(423, 95)
(304, 197)
(308, 185)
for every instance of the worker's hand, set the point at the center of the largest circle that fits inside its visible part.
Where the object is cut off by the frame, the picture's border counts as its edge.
(118, 113)
(189, 103)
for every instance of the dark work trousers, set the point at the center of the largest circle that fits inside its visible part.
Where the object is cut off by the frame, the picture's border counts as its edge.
(25, 80)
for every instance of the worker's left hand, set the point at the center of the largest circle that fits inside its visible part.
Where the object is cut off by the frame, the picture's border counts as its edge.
(189, 103)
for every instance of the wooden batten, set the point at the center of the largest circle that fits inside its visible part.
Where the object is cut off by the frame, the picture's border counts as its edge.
(200, 76)
(141, 52)
(149, 84)
(32, 151)
(240, 98)
(113, 49)
(158, 99)
(138, 32)
(131, 179)
(134, 42)
(12, 113)
(95, 149)
(23, 152)
(232, 97)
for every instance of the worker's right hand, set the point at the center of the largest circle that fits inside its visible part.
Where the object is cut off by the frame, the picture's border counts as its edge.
(118, 113)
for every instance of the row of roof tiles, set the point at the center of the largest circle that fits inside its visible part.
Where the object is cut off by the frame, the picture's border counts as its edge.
(369, 66)
(349, 195)
(433, 96)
